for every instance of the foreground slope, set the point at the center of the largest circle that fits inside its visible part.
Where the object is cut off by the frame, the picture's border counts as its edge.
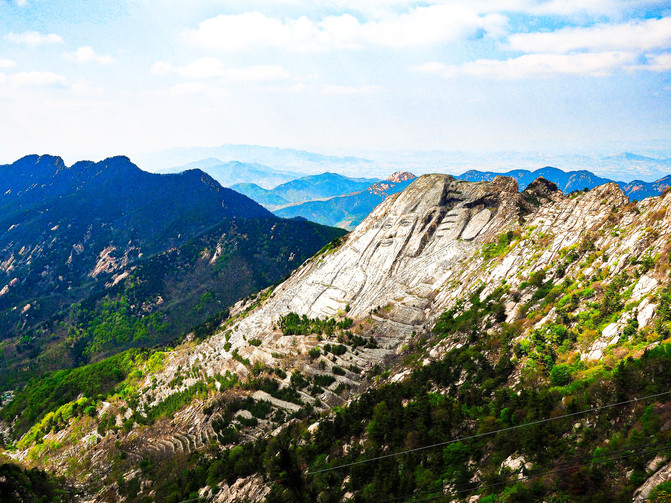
(453, 311)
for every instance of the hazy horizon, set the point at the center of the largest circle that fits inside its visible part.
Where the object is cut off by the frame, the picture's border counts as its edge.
(91, 79)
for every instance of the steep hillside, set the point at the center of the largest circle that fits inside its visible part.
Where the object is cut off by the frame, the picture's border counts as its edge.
(72, 235)
(465, 342)
(63, 227)
(265, 197)
(349, 210)
(155, 301)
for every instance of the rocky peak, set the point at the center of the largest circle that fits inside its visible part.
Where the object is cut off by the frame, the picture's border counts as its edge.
(400, 176)
(397, 253)
(541, 191)
(38, 165)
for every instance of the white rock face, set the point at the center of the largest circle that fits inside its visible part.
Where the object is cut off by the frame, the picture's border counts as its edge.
(609, 335)
(399, 256)
(661, 476)
(645, 285)
(646, 311)
(515, 463)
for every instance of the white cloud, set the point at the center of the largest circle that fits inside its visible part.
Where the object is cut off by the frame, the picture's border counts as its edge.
(656, 63)
(7, 63)
(382, 8)
(424, 25)
(531, 65)
(33, 38)
(645, 35)
(571, 7)
(162, 68)
(352, 89)
(86, 54)
(597, 51)
(86, 88)
(209, 68)
(36, 79)
(189, 88)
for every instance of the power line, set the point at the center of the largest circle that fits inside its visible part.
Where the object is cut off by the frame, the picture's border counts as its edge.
(571, 463)
(528, 477)
(479, 435)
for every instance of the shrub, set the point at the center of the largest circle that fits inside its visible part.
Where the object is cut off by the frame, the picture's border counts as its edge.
(560, 375)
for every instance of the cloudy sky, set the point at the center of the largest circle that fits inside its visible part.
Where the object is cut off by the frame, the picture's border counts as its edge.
(92, 78)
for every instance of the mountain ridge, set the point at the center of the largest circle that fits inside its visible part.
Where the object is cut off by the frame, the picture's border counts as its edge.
(346, 211)
(71, 232)
(569, 181)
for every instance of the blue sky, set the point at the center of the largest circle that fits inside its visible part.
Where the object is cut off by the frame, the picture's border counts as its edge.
(96, 78)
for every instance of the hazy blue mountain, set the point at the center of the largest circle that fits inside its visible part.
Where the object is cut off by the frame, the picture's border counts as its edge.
(567, 182)
(305, 189)
(629, 156)
(639, 189)
(277, 158)
(265, 197)
(572, 180)
(650, 163)
(236, 172)
(349, 210)
(321, 186)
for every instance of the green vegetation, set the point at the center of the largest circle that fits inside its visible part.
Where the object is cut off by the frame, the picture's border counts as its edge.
(500, 247)
(18, 485)
(177, 401)
(331, 246)
(406, 415)
(293, 324)
(170, 294)
(45, 395)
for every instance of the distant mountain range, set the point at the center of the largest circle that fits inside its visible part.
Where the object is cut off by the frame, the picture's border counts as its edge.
(277, 158)
(650, 161)
(304, 189)
(572, 180)
(348, 211)
(235, 172)
(81, 246)
(621, 166)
